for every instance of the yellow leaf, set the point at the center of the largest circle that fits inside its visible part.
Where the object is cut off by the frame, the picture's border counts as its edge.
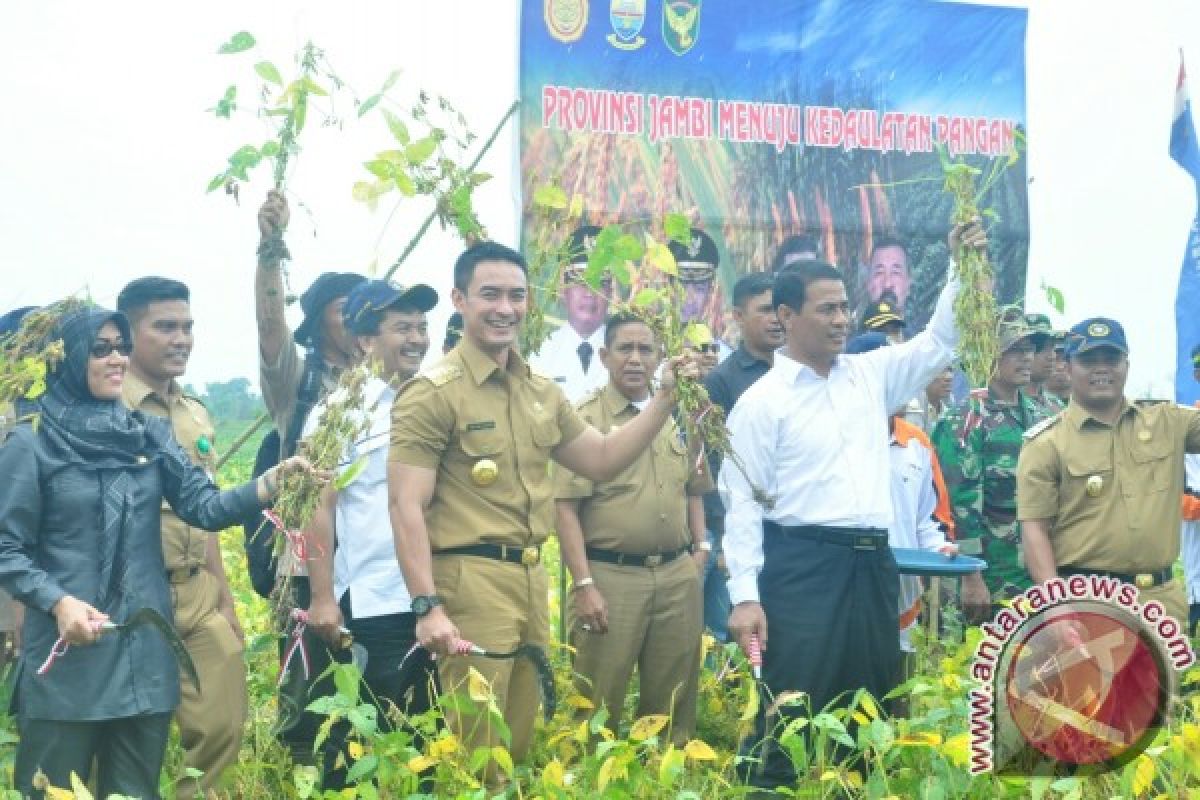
(952, 682)
(854, 779)
(419, 764)
(828, 775)
(751, 709)
(576, 209)
(867, 703)
(552, 774)
(697, 333)
(649, 726)
(698, 750)
(580, 702)
(659, 257)
(79, 788)
(503, 759)
(478, 687)
(860, 718)
(919, 740)
(605, 774)
(443, 746)
(356, 750)
(957, 749)
(1143, 774)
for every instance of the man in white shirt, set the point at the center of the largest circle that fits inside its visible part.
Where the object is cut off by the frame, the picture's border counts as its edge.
(358, 583)
(815, 571)
(570, 355)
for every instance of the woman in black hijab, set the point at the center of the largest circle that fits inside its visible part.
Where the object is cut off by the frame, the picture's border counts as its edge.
(81, 487)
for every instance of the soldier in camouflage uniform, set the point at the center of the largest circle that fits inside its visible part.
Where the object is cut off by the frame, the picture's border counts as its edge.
(1043, 365)
(977, 443)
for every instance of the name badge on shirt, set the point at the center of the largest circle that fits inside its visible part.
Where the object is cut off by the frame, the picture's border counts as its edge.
(482, 425)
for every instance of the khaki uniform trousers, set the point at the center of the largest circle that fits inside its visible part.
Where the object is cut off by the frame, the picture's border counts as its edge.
(1172, 598)
(496, 605)
(210, 726)
(655, 620)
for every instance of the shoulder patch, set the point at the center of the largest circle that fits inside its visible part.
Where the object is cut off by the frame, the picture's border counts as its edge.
(1041, 427)
(442, 374)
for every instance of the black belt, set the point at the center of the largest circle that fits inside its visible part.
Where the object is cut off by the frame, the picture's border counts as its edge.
(529, 556)
(1142, 580)
(182, 574)
(857, 538)
(633, 560)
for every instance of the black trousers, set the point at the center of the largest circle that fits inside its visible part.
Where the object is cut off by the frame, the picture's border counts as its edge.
(413, 690)
(297, 728)
(128, 753)
(832, 628)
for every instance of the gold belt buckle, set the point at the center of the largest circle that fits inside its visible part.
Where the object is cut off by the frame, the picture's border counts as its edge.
(1144, 580)
(653, 561)
(530, 557)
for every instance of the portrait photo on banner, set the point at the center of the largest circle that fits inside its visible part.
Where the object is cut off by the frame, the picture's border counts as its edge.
(823, 125)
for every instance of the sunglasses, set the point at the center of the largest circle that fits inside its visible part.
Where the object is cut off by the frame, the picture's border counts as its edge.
(104, 348)
(710, 347)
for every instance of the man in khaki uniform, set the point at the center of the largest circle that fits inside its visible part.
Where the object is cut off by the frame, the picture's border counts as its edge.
(210, 727)
(1098, 485)
(636, 548)
(470, 491)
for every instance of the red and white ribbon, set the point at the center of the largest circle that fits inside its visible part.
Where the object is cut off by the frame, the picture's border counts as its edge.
(296, 539)
(60, 648)
(299, 619)
(755, 656)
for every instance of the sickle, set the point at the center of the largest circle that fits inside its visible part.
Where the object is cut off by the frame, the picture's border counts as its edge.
(151, 617)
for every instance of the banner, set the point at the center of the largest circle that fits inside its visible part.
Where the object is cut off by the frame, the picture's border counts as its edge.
(762, 121)
(1186, 153)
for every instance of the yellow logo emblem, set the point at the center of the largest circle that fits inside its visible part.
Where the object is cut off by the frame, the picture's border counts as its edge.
(566, 19)
(1098, 329)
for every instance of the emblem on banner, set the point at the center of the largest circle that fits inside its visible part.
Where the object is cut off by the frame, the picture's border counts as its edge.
(627, 17)
(680, 25)
(566, 19)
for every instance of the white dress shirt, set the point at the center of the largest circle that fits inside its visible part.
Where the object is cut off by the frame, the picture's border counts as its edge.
(365, 558)
(559, 359)
(1191, 533)
(819, 446)
(914, 501)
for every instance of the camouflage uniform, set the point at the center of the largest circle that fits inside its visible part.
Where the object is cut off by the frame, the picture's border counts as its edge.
(977, 443)
(1049, 403)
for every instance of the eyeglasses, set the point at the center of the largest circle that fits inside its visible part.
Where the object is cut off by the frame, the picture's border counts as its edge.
(103, 348)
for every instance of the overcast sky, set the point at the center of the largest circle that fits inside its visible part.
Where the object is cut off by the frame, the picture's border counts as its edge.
(107, 150)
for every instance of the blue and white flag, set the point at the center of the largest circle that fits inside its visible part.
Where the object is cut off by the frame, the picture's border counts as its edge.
(1186, 152)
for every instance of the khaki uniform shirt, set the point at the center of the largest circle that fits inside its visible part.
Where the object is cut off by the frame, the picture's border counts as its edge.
(466, 412)
(183, 545)
(1111, 491)
(643, 510)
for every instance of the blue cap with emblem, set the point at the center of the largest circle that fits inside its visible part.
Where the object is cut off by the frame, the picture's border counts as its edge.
(1096, 332)
(366, 303)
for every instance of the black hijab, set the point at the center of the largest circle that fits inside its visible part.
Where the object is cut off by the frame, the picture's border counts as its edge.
(78, 428)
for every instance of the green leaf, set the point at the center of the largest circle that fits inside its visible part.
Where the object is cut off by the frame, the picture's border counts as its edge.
(379, 168)
(345, 678)
(267, 71)
(397, 127)
(354, 470)
(368, 104)
(364, 719)
(628, 248)
(503, 760)
(1055, 298)
(216, 183)
(300, 112)
(550, 196)
(479, 177)
(677, 228)
(227, 104)
(270, 149)
(646, 297)
(363, 768)
(312, 87)
(404, 184)
(245, 156)
(239, 43)
(420, 150)
(391, 81)
(396, 157)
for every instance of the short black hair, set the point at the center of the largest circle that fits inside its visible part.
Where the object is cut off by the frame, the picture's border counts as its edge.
(791, 284)
(617, 321)
(793, 245)
(464, 267)
(887, 241)
(751, 286)
(139, 293)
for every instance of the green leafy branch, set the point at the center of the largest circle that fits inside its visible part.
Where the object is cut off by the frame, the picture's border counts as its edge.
(548, 255)
(283, 105)
(32, 352)
(427, 162)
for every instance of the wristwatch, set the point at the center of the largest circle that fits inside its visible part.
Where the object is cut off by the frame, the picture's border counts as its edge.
(422, 604)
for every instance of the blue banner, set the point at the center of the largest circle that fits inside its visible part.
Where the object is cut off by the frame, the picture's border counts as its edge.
(1187, 300)
(763, 121)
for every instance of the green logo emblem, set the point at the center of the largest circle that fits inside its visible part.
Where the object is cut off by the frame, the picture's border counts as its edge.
(681, 24)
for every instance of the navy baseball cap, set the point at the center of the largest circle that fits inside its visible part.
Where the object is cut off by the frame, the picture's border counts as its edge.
(10, 323)
(866, 342)
(328, 286)
(366, 303)
(1096, 332)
